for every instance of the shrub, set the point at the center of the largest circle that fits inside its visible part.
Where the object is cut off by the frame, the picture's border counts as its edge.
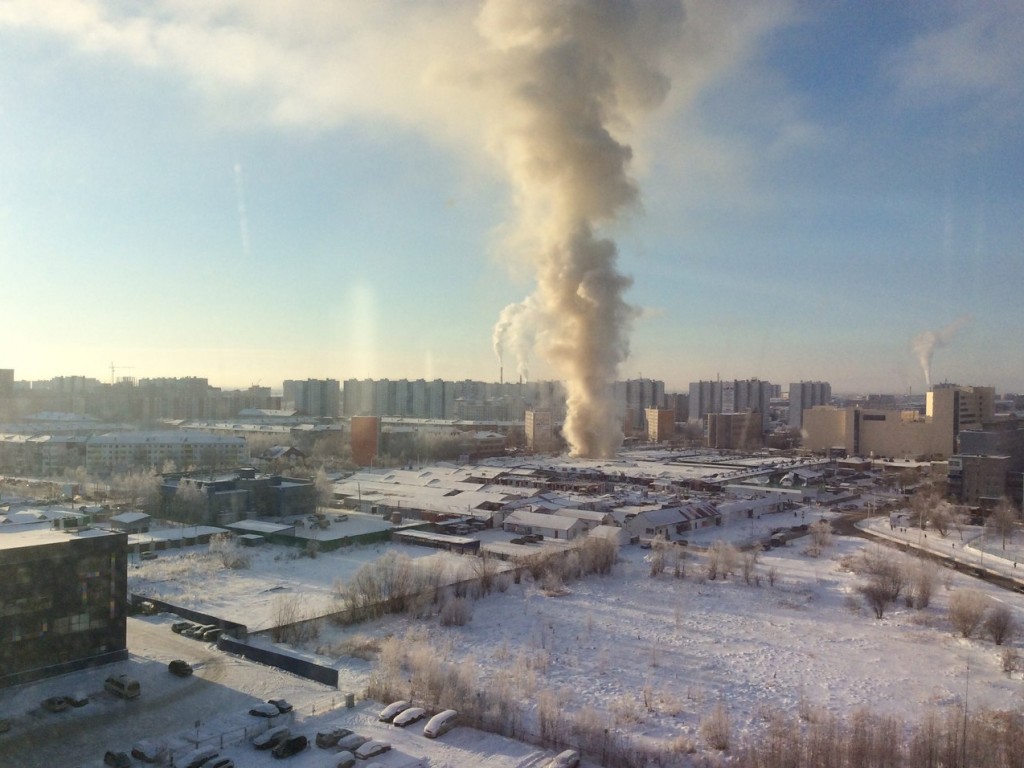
(456, 613)
(999, 624)
(966, 610)
(715, 729)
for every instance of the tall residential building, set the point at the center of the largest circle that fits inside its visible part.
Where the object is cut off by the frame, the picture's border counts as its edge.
(735, 431)
(540, 431)
(661, 424)
(731, 396)
(314, 397)
(804, 395)
(365, 434)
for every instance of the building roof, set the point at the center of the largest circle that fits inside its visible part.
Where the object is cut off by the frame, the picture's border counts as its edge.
(539, 520)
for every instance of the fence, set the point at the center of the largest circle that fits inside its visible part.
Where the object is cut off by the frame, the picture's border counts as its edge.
(283, 661)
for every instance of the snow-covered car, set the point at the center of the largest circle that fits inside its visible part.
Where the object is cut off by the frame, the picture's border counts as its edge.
(271, 737)
(373, 749)
(282, 705)
(264, 710)
(570, 758)
(387, 714)
(441, 723)
(198, 757)
(352, 742)
(56, 703)
(330, 737)
(345, 760)
(149, 751)
(409, 716)
(179, 627)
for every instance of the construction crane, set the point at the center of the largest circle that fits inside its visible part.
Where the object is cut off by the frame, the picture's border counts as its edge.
(114, 368)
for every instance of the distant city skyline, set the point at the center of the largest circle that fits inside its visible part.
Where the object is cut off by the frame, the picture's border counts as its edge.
(250, 193)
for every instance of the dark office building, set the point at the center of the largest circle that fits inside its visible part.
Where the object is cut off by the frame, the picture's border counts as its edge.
(63, 601)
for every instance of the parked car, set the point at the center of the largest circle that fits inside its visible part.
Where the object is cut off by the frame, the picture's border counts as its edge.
(352, 742)
(179, 667)
(372, 749)
(117, 760)
(122, 686)
(387, 714)
(223, 762)
(55, 704)
(345, 760)
(149, 751)
(264, 710)
(281, 704)
(291, 746)
(409, 716)
(77, 701)
(570, 758)
(271, 737)
(149, 554)
(331, 737)
(180, 626)
(199, 757)
(211, 635)
(441, 723)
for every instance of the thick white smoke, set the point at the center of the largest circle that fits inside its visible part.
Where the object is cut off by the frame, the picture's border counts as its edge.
(926, 342)
(579, 73)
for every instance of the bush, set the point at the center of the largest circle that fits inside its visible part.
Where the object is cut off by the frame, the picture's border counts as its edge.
(966, 610)
(456, 613)
(999, 624)
(715, 729)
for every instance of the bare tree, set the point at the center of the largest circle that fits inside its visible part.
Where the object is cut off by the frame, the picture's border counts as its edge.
(1003, 520)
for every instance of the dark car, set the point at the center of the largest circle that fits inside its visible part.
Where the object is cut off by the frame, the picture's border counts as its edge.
(180, 667)
(291, 746)
(272, 737)
(282, 705)
(180, 626)
(117, 760)
(77, 701)
(56, 703)
(264, 710)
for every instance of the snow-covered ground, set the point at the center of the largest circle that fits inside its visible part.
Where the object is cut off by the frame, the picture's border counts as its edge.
(655, 654)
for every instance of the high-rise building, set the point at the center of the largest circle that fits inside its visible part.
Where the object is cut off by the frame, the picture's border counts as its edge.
(804, 395)
(661, 425)
(540, 431)
(731, 396)
(365, 435)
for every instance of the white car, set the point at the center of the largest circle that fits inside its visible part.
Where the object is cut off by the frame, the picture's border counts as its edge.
(372, 749)
(570, 758)
(441, 723)
(409, 716)
(388, 713)
(352, 742)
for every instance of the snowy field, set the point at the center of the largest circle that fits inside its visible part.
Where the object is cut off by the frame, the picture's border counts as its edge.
(657, 654)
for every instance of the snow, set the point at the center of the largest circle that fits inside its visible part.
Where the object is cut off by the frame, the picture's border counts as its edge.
(657, 654)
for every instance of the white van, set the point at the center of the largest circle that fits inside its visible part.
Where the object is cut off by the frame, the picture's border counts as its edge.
(123, 686)
(441, 723)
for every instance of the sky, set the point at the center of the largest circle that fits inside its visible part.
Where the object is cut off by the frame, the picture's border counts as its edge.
(253, 191)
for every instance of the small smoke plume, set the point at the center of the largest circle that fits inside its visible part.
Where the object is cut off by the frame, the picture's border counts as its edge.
(926, 342)
(515, 333)
(580, 73)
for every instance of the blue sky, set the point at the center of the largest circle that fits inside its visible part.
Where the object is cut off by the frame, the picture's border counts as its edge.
(252, 192)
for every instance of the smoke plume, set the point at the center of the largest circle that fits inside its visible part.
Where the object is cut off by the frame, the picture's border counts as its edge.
(926, 342)
(579, 72)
